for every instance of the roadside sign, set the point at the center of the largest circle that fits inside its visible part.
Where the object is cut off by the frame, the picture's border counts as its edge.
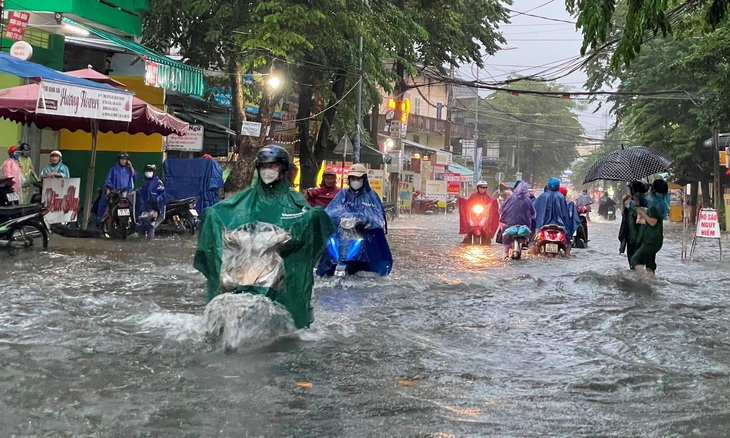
(499, 176)
(708, 227)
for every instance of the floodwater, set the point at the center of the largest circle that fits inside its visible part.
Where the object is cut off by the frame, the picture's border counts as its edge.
(103, 339)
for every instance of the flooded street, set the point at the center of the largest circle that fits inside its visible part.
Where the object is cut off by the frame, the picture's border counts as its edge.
(103, 339)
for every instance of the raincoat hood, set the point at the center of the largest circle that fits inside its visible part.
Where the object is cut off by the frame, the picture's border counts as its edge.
(553, 184)
(552, 209)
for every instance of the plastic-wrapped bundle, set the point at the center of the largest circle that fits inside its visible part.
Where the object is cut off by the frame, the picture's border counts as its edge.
(517, 230)
(251, 256)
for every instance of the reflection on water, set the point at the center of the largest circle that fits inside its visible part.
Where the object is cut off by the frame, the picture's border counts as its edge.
(106, 339)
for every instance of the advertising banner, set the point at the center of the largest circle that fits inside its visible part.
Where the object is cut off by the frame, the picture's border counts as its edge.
(191, 142)
(17, 22)
(376, 179)
(61, 195)
(453, 183)
(407, 180)
(56, 98)
(437, 190)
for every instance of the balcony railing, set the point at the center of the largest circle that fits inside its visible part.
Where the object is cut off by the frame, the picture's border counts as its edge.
(423, 124)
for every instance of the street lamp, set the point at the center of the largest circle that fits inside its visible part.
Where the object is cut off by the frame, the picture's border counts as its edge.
(274, 82)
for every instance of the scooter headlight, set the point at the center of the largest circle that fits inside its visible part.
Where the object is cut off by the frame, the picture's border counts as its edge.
(478, 209)
(332, 248)
(354, 249)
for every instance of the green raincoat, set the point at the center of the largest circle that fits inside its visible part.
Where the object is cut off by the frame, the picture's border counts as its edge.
(282, 206)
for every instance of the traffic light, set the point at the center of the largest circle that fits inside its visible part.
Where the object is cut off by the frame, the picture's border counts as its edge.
(402, 106)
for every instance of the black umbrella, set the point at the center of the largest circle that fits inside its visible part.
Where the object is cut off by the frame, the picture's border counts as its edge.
(628, 164)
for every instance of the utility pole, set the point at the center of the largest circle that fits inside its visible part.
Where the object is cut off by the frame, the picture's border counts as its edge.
(716, 170)
(476, 131)
(356, 146)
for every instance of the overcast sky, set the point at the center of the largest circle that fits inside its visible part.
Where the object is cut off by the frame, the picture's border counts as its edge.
(541, 40)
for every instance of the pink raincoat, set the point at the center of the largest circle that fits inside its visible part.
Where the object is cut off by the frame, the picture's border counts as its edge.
(11, 169)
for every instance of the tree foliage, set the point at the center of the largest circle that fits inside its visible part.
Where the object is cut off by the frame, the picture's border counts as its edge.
(543, 132)
(636, 20)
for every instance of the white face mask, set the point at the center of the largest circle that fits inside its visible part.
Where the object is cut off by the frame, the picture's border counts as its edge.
(268, 175)
(356, 185)
(148, 174)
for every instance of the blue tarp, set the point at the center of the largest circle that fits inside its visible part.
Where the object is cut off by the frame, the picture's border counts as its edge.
(193, 177)
(30, 70)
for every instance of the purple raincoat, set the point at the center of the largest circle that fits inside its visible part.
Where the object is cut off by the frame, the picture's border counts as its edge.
(517, 209)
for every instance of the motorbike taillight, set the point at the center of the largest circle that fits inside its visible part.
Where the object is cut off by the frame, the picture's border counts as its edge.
(123, 204)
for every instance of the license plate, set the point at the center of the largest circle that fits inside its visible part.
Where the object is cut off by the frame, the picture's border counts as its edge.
(123, 212)
(552, 248)
(13, 197)
(194, 212)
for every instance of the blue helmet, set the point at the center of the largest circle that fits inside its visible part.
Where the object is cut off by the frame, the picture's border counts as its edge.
(553, 184)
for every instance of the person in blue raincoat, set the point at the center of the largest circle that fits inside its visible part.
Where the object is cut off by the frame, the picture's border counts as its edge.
(551, 208)
(362, 203)
(150, 202)
(215, 182)
(120, 178)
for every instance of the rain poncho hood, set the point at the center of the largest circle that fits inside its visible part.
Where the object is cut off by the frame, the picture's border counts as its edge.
(365, 205)
(552, 209)
(518, 208)
(659, 201)
(151, 196)
(276, 204)
(56, 168)
(583, 200)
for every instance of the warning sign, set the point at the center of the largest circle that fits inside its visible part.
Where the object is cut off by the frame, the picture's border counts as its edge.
(708, 225)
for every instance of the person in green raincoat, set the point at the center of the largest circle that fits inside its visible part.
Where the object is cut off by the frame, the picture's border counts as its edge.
(26, 169)
(270, 199)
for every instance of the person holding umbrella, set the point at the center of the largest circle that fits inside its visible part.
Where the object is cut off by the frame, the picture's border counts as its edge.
(630, 223)
(651, 234)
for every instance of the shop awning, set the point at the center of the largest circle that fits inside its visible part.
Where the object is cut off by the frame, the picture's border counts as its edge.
(195, 117)
(461, 170)
(442, 157)
(170, 74)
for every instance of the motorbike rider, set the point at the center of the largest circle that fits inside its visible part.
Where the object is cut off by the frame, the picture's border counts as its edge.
(269, 199)
(572, 210)
(363, 203)
(502, 193)
(11, 169)
(26, 169)
(605, 203)
(150, 202)
(551, 208)
(585, 200)
(120, 178)
(480, 197)
(326, 192)
(56, 169)
(517, 211)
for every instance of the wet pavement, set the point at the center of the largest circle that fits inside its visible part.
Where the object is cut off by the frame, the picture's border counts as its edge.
(102, 339)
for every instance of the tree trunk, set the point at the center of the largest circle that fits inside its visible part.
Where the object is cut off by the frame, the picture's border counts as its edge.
(308, 163)
(338, 88)
(706, 201)
(693, 198)
(243, 168)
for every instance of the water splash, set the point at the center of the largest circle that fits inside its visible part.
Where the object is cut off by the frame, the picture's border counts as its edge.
(238, 320)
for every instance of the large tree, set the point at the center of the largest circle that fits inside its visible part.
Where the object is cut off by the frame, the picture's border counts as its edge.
(542, 132)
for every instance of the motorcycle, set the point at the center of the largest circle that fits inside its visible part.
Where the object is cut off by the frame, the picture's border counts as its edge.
(520, 237)
(611, 213)
(346, 247)
(607, 209)
(452, 204)
(390, 209)
(425, 206)
(20, 225)
(551, 240)
(117, 222)
(477, 221)
(581, 234)
(8, 197)
(180, 216)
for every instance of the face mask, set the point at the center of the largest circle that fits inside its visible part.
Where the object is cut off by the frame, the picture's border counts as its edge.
(356, 185)
(268, 175)
(148, 174)
(16, 155)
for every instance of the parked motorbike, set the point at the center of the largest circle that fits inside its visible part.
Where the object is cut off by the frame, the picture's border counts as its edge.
(452, 204)
(37, 194)
(390, 209)
(425, 206)
(580, 240)
(8, 197)
(551, 240)
(118, 223)
(520, 237)
(180, 216)
(346, 246)
(20, 225)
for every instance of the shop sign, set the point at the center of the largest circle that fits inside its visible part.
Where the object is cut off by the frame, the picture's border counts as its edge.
(61, 196)
(59, 99)
(151, 74)
(21, 50)
(453, 183)
(251, 129)
(437, 190)
(443, 158)
(190, 142)
(405, 192)
(376, 180)
(17, 22)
